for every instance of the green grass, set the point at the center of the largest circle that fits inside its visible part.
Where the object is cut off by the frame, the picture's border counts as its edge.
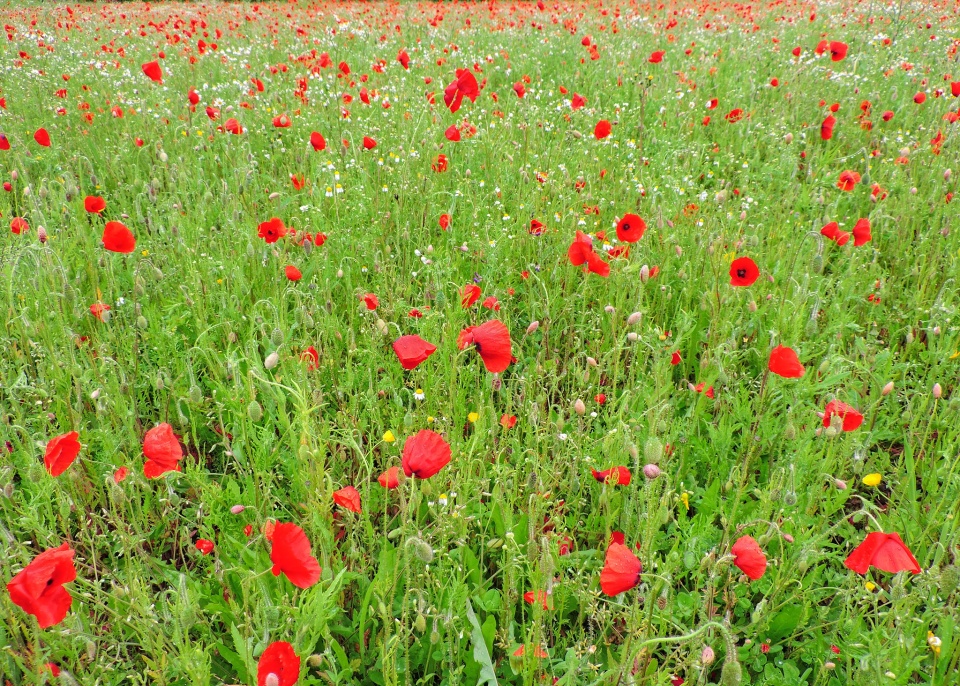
(427, 582)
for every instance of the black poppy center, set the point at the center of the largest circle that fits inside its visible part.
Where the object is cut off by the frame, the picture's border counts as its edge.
(741, 273)
(626, 226)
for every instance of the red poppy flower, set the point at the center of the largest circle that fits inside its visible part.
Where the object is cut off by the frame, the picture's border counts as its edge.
(348, 498)
(826, 128)
(615, 476)
(292, 273)
(630, 228)
(19, 225)
(4, 142)
(118, 238)
(390, 478)
(311, 357)
(425, 454)
(204, 546)
(861, 232)
(602, 129)
(233, 126)
(444, 221)
(492, 341)
(317, 141)
(38, 589)
(465, 85)
(577, 102)
(749, 558)
(699, 388)
(519, 89)
(851, 418)
(411, 350)
(838, 50)
(61, 452)
(162, 450)
(404, 59)
(743, 272)
(120, 474)
(848, 179)
(369, 143)
(441, 164)
(469, 294)
(280, 662)
(452, 133)
(193, 97)
(920, 98)
(153, 71)
(656, 57)
(94, 205)
(508, 421)
(271, 230)
(540, 597)
(491, 303)
(371, 301)
(42, 137)
(886, 552)
(833, 232)
(291, 555)
(581, 252)
(99, 310)
(784, 362)
(282, 121)
(734, 115)
(621, 570)
(887, 115)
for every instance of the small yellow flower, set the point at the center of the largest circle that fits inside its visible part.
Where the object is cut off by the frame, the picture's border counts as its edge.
(871, 586)
(431, 420)
(389, 437)
(934, 642)
(473, 417)
(144, 252)
(685, 499)
(872, 479)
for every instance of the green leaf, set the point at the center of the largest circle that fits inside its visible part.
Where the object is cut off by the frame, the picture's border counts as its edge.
(480, 652)
(785, 622)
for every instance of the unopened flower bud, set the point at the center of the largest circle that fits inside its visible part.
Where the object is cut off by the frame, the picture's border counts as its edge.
(644, 274)
(651, 471)
(731, 674)
(534, 325)
(947, 174)
(274, 195)
(271, 680)
(592, 362)
(339, 273)
(633, 337)
(788, 139)
(609, 309)
(42, 234)
(272, 360)
(707, 656)
(634, 318)
(237, 509)
(887, 389)
(254, 411)
(829, 665)
(677, 249)
(937, 391)
(579, 407)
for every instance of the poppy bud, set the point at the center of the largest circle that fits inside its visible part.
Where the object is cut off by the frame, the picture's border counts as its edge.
(434, 637)
(731, 674)
(909, 337)
(592, 362)
(420, 624)
(272, 360)
(829, 665)
(421, 549)
(937, 391)
(632, 337)
(949, 578)
(254, 411)
(790, 431)
(788, 139)
(634, 318)
(831, 431)
(382, 327)
(644, 274)
(936, 331)
(887, 389)
(707, 656)
(651, 471)
(840, 484)
(237, 509)
(160, 384)
(534, 325)
(913, 191)
(653, 450)
(788, 538)
(609, 309)
(339, 273)
(752, 306)
(678, 250)
(196, 395)
(14, 175)
(579, 407)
